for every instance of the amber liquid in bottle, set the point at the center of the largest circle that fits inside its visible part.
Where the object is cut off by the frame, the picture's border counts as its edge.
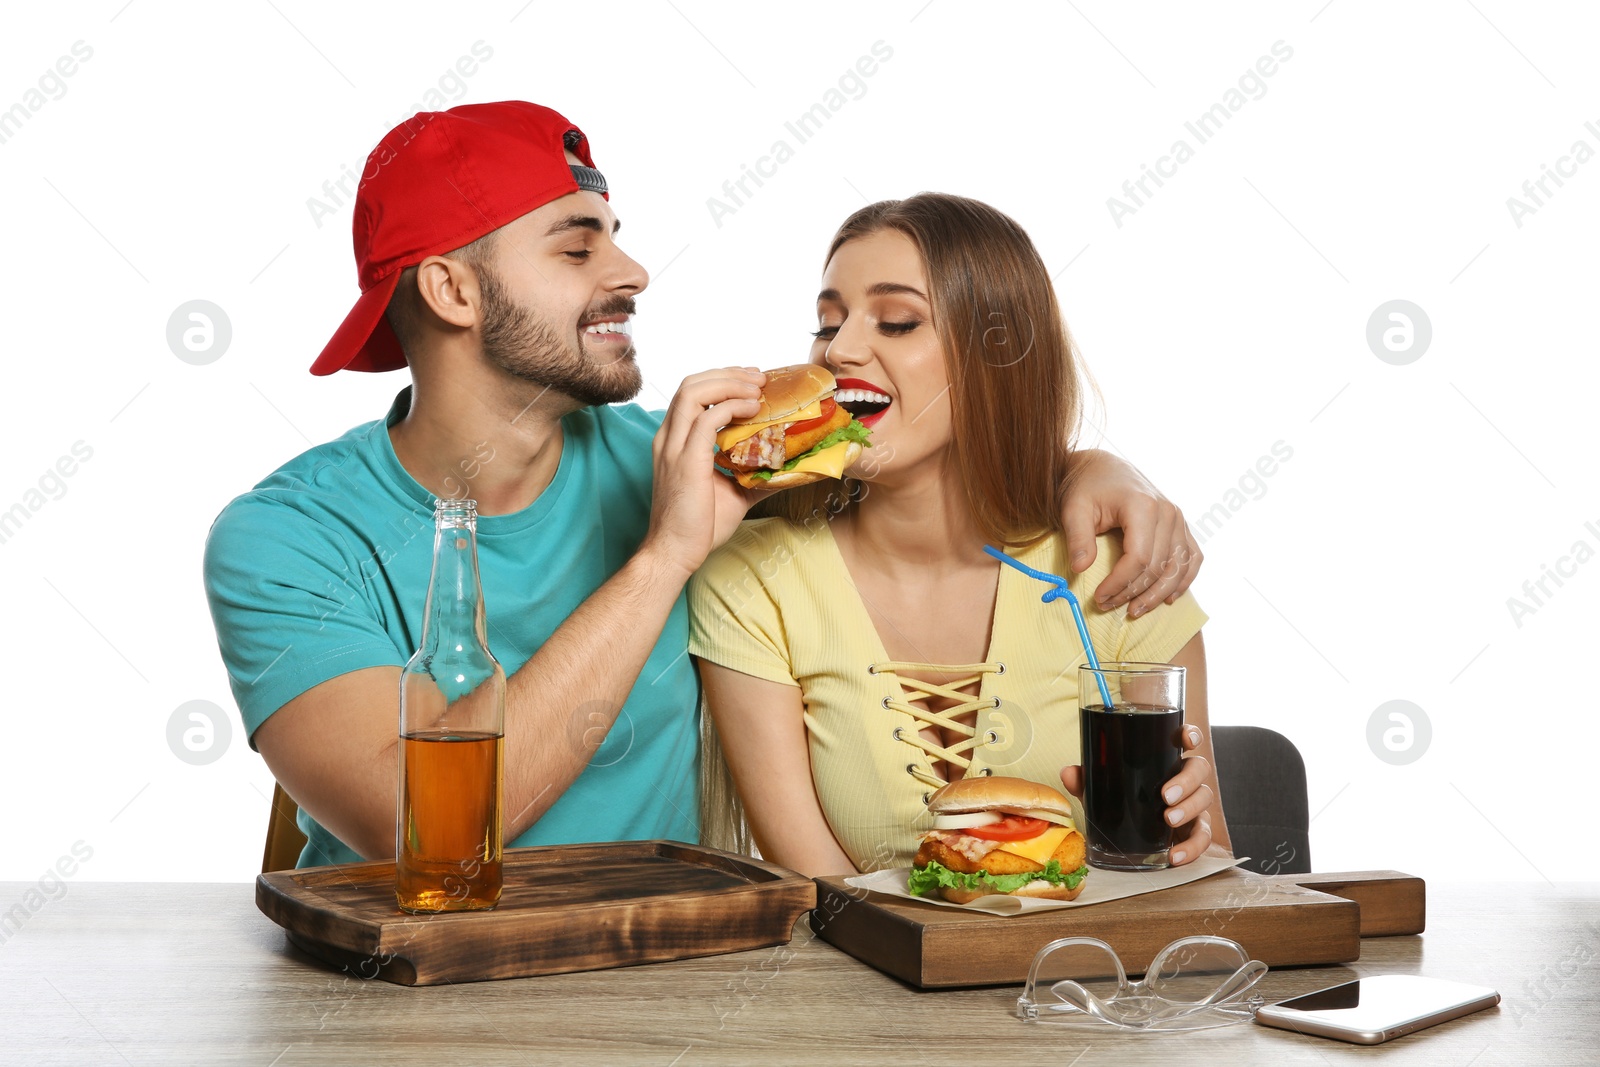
(446, 815)
(448, 825)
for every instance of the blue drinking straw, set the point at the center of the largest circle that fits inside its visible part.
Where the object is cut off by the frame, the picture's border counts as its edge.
(1058, 591)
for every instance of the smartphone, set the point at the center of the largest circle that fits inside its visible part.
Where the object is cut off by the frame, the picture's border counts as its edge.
(1370, 1011)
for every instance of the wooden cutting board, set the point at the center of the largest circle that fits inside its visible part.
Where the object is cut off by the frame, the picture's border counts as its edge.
(1282, 920)
(564, 908)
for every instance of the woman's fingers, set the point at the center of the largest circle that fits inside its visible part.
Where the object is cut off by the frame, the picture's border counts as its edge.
(1072, 779)
(1195, 845)
(1196, 771)
(1194, 804)
(1189, 792)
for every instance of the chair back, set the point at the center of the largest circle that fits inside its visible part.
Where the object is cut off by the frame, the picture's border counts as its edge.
(1263, 783)
(284, 839)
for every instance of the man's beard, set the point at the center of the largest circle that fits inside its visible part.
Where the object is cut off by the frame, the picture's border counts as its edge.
(530, 348)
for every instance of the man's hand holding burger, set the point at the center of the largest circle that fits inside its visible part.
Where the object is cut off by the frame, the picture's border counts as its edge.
(772, 431)
(693, 509)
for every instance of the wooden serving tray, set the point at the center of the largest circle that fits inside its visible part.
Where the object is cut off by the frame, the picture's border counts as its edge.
(564, 908)
(1281, 920)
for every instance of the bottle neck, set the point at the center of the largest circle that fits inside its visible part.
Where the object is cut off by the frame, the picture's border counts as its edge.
(454, 611)
(455, 515)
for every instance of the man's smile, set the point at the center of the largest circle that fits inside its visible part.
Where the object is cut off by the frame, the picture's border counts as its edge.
(614, 329)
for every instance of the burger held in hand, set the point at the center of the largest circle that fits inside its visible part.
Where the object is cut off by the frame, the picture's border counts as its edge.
(801, 434)
(1000, 835)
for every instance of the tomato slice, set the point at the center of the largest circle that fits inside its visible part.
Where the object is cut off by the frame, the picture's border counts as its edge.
(1010, 828)
(828, 407)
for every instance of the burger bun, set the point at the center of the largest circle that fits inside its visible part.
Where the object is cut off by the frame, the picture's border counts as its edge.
(789, 389)
(998, 793)
(1046, 892)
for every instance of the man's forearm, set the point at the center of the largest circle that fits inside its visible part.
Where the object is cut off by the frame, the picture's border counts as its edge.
(562, 702)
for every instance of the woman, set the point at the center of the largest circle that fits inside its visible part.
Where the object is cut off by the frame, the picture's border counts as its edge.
(859, 649)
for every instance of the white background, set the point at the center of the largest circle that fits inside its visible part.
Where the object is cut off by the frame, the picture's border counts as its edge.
(1227, 314)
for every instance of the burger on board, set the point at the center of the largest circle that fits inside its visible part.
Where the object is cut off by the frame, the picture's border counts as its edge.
(1000, 835)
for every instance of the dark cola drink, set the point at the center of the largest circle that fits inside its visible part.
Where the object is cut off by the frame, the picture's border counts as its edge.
(1129, 753)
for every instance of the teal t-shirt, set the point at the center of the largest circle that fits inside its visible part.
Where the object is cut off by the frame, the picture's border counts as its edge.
(323, 569)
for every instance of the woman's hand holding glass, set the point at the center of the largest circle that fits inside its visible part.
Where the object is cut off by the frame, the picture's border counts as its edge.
(1191, 797)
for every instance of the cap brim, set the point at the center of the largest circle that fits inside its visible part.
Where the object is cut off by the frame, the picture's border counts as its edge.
(364, 340)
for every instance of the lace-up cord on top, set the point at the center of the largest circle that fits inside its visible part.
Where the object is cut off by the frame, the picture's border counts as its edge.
(919, 690)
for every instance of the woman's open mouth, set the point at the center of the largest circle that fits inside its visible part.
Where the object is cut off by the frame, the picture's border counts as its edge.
(863, 400)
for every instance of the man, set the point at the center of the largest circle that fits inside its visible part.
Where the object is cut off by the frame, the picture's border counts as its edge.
(485, 245)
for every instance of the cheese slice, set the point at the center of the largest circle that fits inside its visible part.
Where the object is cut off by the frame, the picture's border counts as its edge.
(732, 435)
(1038, 849)
(830, 461)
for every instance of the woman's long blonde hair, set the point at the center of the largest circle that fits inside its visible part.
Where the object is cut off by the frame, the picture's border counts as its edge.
(1015, 401)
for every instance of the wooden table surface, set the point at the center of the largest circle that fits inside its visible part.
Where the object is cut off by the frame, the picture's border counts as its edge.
(147, 973)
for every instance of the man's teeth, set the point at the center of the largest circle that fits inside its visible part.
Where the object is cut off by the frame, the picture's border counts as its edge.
(626, 326)
(860, 396)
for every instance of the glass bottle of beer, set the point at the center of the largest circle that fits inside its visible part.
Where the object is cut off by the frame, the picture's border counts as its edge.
(452, 736)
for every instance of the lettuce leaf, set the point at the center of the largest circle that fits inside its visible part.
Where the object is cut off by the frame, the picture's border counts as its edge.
(855, 431)
(926, 879)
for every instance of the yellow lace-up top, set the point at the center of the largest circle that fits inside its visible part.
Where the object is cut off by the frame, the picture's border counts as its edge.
(777, 602)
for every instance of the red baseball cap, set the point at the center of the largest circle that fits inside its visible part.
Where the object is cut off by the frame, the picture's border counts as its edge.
(438, 181)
